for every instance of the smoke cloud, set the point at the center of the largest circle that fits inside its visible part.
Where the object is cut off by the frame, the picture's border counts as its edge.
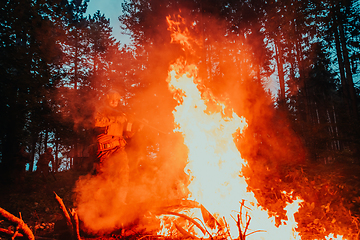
(156, 160)
(104, 205)
(157, 157)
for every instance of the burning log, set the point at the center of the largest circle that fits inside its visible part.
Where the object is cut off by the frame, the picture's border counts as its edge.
(20, 226)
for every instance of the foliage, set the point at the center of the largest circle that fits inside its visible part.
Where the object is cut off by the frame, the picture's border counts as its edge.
(329, 198)
(28, 63)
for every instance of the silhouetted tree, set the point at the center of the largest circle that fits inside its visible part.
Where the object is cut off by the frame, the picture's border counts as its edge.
(29, 58)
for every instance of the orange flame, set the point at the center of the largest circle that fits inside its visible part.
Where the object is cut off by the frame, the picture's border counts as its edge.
(214, 162)
(177, 35)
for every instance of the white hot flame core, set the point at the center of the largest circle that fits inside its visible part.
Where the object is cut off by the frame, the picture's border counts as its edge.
(214, 162)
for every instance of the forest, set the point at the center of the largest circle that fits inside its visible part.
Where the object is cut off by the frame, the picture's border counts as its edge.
(291, 68)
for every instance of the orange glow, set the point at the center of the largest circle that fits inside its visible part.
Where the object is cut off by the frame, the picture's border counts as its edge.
(214, 162)
(331, 237)
(177, 35)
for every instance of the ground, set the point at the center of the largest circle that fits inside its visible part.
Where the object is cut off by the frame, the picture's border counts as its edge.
(33, 198)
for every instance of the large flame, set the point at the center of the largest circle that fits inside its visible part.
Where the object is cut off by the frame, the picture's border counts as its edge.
(214, 162)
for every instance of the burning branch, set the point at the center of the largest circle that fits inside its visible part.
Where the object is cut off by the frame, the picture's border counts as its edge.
(242, 235)
(20, 225)
(239, 223)
(72, 219)
(210, 220)
(185, 233)
(189, 219)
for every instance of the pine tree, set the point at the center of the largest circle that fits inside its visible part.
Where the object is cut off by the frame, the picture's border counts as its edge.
(30, 57)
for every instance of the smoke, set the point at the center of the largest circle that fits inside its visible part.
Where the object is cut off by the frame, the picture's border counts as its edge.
(100, 199)
(157, 157)
(106, 201)
(232, 69)
(237, 75)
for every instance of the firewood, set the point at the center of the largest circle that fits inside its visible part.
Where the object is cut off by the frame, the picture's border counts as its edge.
(20, 225)
(185, 233)
(64, 211)
(10, 233)
(209, 219)
(72, 219)
(189, 219)
(238, 222)
(75, 222)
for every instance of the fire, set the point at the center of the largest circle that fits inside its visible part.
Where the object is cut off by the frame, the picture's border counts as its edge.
(214, 162)
(177, 35)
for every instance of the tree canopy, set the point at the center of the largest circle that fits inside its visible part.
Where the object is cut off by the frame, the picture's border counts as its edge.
(56, 64)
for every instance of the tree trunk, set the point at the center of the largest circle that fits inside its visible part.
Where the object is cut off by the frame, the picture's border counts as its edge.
(39, 148)
(33, 150)
(341, 69)
(56, 162)
(349, 77)
(302, 77)
(46, 140)
(76, 60)
(280, 67)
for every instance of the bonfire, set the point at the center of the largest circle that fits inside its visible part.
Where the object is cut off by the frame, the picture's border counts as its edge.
(217, 202)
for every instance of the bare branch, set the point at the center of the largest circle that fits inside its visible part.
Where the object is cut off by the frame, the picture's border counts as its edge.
(185, 233)
(75, 221)
(19, 223)
(9, 232)
(188, 218)
(72, 220)
(64, 212)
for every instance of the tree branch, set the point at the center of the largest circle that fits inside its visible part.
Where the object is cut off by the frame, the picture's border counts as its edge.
(72, 219)
(20, 225)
